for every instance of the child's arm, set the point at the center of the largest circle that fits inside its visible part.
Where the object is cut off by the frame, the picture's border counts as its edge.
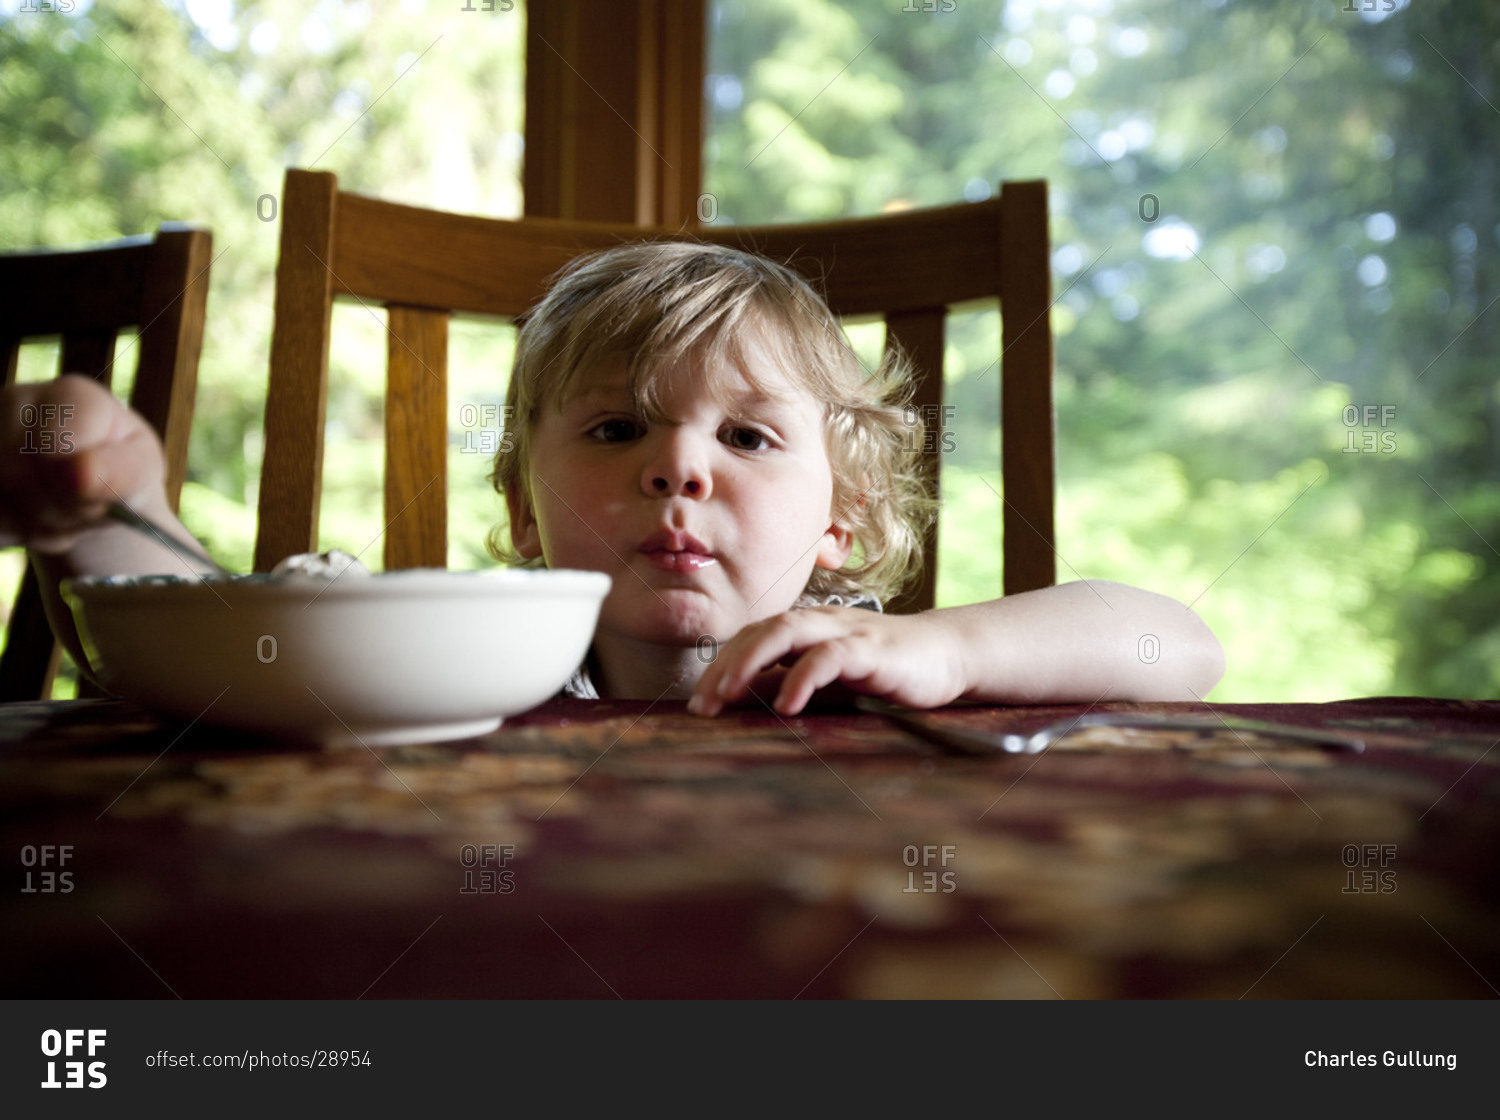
(1076, 642)
(68, 447)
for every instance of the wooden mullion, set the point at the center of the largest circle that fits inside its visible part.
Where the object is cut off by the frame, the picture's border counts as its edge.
(416, 440)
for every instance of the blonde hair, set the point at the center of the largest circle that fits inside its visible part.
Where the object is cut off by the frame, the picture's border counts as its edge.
(656, 304)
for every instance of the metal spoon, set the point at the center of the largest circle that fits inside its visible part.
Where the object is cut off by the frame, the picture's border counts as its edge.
(990, 743)
(119, 511)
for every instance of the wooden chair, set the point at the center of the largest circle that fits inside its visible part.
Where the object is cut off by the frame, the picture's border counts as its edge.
(157, 284)
(423, 265)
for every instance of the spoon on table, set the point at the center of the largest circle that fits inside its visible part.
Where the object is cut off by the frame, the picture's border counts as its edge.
(119, 511)
(967, 741)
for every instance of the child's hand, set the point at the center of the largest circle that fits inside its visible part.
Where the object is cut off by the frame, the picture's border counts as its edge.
(908, 659)
(67, 447)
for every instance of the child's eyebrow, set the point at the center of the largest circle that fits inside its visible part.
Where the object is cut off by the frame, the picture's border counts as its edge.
(759, 399)
(741, 398)
(609, 392)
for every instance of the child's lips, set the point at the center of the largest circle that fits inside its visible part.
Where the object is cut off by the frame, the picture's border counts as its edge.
(669, 561)
(673, 551)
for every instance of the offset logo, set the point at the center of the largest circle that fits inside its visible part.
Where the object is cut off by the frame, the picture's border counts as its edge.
(44, 856)
(67, 1043)
(490, 859)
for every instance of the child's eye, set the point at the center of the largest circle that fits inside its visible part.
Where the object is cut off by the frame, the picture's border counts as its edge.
(617, 430)
(745, 439)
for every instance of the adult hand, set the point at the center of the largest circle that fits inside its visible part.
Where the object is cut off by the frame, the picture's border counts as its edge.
(67, 447)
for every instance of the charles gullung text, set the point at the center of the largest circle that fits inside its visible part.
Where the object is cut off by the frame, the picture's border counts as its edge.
(1406, 1059)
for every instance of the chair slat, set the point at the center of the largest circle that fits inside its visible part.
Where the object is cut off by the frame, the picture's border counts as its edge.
(31, 655)
(291, 483)
(10, 357)
(89, 352)
(33, 282)
(949, 255)
(919, 335)
(173, 314)
(1027, 417)
(416, 440)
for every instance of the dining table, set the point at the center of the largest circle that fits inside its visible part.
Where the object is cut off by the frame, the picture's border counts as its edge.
(604, 849)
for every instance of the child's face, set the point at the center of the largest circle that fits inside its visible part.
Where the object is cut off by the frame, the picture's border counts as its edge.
(708, 518)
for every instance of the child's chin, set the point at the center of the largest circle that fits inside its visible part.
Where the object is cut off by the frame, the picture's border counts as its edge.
(680, 633)
(686, 624)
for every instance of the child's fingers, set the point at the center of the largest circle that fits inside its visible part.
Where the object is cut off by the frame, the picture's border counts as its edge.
(762, 645)
(738, 662)
(847, 659)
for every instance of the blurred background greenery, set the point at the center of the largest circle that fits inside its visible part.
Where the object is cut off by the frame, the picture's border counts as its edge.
(1274, 229)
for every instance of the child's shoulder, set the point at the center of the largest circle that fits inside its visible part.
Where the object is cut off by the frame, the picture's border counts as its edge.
(858, 600)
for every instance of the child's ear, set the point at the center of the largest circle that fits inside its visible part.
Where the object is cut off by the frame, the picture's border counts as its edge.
(835, 547)
(525, 537)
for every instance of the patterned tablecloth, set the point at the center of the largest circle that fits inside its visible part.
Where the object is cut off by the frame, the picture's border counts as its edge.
(622, 849)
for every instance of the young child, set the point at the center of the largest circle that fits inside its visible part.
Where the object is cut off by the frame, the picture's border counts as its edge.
(690, 420)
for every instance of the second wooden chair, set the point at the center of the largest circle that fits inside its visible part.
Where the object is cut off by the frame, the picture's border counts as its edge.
(156, 284)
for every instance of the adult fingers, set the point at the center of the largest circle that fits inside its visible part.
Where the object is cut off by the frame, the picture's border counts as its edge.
(68, 446)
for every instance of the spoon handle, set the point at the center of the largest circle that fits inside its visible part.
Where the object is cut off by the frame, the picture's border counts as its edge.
(119, 511)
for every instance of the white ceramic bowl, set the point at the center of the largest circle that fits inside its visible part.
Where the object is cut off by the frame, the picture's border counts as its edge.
(368, 659)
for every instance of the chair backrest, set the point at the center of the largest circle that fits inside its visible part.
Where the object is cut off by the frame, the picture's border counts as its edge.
(423, 265)
(157, 284)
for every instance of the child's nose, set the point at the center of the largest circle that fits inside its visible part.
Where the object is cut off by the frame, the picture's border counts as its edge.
(676, 470)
